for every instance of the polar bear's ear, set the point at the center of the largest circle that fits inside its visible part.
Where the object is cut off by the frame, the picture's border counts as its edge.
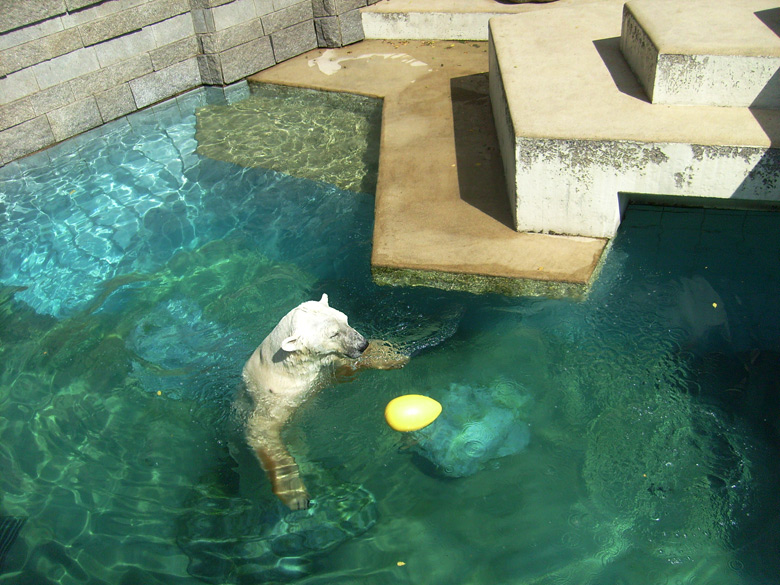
(291, 344)
(324, 300)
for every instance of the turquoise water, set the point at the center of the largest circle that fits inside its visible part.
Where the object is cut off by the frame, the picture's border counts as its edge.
(631, 438)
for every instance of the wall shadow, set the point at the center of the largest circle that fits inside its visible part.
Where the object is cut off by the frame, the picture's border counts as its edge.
(480, 169)
(766, 173)
(624, 78)
(771, 18)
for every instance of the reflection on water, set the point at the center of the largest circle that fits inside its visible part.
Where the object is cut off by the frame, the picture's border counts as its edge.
(639, 429)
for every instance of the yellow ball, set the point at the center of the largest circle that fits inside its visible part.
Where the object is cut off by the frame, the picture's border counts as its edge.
(411, 412)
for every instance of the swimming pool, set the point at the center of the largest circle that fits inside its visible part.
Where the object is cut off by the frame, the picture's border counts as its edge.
(137, 273)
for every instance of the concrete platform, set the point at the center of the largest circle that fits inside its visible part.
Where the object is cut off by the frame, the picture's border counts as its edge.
(578, 133)
(687, 53)
(439, 19)
(442, 214)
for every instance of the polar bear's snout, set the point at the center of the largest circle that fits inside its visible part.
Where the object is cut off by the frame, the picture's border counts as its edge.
(356, 345)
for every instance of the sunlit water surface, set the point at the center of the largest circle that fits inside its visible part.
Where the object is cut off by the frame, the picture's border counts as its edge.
(137, 275)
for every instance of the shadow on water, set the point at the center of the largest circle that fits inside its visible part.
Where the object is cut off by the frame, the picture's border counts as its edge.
(480, 170)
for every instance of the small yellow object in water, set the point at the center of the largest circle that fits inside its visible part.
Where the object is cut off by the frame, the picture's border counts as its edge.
(715, 305)
(411, 412)
(401, 564)
(159, 393)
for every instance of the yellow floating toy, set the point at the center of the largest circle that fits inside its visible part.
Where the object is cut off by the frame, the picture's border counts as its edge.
(411, 412)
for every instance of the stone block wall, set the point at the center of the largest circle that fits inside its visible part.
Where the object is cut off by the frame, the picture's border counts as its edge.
(67, 66)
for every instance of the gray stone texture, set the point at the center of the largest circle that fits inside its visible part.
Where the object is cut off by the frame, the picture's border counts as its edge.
(203, 21)
(52, 98)
(160, 85)
(281, 4)
(15, 113)
(115, 102)
(30, 33)
(351, 27)
(328, 31)
(72, 5)
(335, 7)
(210, 67)
(17, 85)
(231, 37)
(338, 31)
(109, 77)
(25, 138)
(287, 17)
(74, 118)
(132, 19)
(292, 41)
(175, 52)
(16, 13)
(208, 3)
(246, 59)
(69, 65)
(66, 67)
(38, 50)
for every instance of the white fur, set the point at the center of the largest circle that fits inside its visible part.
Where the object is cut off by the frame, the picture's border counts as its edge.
(296, 359)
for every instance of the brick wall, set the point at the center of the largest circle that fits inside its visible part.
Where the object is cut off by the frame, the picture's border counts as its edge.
(67, 66)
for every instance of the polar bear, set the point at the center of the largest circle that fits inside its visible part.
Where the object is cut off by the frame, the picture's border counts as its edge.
(303, 354)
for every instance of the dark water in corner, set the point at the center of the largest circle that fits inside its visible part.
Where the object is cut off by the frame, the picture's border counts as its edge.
(136, 276)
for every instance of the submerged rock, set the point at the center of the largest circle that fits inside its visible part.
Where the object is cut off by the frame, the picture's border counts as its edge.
(477, 425)
(232, 539)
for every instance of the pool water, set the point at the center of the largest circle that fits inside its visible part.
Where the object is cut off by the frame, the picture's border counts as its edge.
(629, 438)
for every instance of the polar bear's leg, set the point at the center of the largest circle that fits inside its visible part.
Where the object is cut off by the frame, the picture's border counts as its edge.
(279, 465)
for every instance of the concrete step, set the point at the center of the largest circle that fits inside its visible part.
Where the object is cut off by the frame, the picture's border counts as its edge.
(578, 134)
(442, 215)
(464, 20)
(698, 52)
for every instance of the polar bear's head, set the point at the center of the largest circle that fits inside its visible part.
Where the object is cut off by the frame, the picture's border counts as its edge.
(313, 328)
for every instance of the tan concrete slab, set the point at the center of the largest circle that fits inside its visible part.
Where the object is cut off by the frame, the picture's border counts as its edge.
(442, 214)
(572, 82)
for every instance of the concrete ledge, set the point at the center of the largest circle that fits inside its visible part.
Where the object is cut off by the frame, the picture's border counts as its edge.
(483, 284)
(577, 131)
(697, 53)
(442, 217)
(457, 20)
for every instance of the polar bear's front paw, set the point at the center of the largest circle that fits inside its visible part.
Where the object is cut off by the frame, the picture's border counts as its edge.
(292, 492)
(297, 501)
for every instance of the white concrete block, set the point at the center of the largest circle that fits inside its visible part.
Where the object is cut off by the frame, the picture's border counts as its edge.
(692, 53)
(573, 187)
(576, 132)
